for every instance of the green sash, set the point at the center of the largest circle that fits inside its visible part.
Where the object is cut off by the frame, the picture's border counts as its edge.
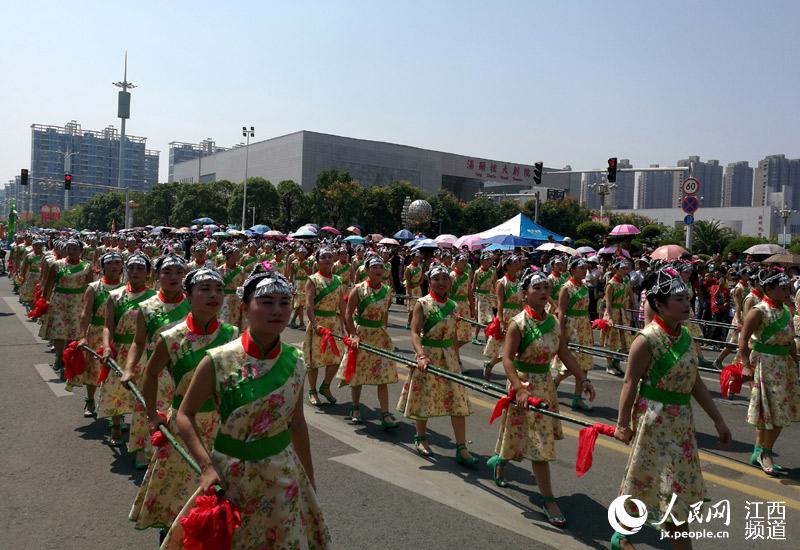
(247, 260)
(71, 270)
(775, 326)
(508, 294)
(334, 284)
(258, 449)
(101, 296)
(577, 297)
(189, 361)
(240, 391)
(127, 305)
(413, 272)
(168, 318)
(372, 298)
(230, 275)
(534, 331)
(437, 316)
(669, 358)
(483, 278)
(557, 284)
(458, 282)
(619, 292)
(344, 269)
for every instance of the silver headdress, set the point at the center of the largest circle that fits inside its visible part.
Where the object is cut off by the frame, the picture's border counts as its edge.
(263, 282)
(168, 260)
(138, 259)
(532, 277)
(577, 263)
(772, 276)
(373, 260)
(109, 257)
(668, 283)
(436, 269)
(199, 275)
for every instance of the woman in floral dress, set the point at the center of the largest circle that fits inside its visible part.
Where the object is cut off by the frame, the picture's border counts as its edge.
(509, 303)
(65, 288)
(483, 283)
(169, 481)
(344, 270)
(233, 275)
(425, 395)
(767, 347)
(365, 320)
(655, 417)
(461, 294)
(157, 314)
(261, 455)
(412, 280)
(121, 316)
(299, 270)
(618, 299)
(574, 325)
(532, 341)
(92, 322)
(30, 273)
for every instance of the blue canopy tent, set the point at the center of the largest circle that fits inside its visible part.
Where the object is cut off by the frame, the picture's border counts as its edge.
(522, 226)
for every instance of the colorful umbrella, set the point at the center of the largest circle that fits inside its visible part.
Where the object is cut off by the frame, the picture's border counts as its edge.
(424, 243)
(260, 229)
(545, 247)
(203, 221)
(331, 230)
(784, 258)
(304, 234)
(354, 239)
(404, 235)
(500, 247)
(375, 237)
(586, 250)
(472, 242)
(566, 249)
(354, 229)
(220, 234)
(446, 240)
(668, 252)
(625, 229)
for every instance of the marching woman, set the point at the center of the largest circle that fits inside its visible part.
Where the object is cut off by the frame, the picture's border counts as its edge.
(738, 292)
(656, 419)
(233, 275)
(618, 298)
(574, 326)
(532, 341)
(66, 284)
(30, 273)
(461, 294)
(261, 455)
(425, 395)
(343, 269)
(365, 319)
(324, 297)
(92, 322)
(299, 270)
(164, 310)
(767, 347)
(121, 315)
(509, 302)
(169, 481)
(412, 280)
(558, 276)
(484, 281)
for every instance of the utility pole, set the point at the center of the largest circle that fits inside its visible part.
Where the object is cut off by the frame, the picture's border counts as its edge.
(124, 113)
(690, 227)
(67, 170)
(248, 134)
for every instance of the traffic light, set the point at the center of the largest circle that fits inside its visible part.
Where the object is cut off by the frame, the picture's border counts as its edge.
(67, 181)
(612, 169)
(23, 177)
(537, 172)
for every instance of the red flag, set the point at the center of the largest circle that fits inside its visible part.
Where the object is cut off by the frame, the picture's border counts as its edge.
(350, 366)
(74, 361)
(39, 308)
(211, 523)
(504, 402)
(157, 438)
(601, 324)
(493, 328)
(586, 440)
(105, 369)
(328, 340)
(730, 380)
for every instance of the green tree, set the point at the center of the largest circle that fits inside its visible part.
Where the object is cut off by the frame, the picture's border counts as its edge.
(376, 214)
(98, 212)
(262, 195)
(592, 232)
(637, 220)
(199, 200)
(673, 235)
(740, 244)
(292, 204)
(710, 237)
(562, 216)
(651, 233)
(317, 199)
(447, 213)
(480, 214)
(155, 206)
(342, 200)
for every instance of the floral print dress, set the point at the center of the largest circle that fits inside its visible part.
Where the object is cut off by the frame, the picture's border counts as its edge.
(94, 333)
(232, 278)
(775, 397)
(169, 481)
(371, 369)
(300, 273)
(158, 317)
(664, 458)
(578, 326)
(512, 303)
(27, 287)
(485, 300)
(259, 469)
(114, 399)
(327, 295)
(413, 285)
(344, 271)
(425, 395)
(525, 434)
(66, 301)
(459, 292)
(618, 339)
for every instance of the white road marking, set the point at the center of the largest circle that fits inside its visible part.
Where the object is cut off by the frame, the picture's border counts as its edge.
(51, 379)
(443, 487)
(22, 313)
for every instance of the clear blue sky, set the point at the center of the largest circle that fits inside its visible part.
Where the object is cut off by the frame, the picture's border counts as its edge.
(563, 82)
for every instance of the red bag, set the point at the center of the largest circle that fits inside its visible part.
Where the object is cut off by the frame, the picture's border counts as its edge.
(211, 523)
(586, 440)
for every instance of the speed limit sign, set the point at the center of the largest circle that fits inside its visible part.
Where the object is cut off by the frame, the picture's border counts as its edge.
(690, 186)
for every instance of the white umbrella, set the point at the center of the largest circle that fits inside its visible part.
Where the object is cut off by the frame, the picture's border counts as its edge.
(446, 240)
(765, 248)
(586, 250)
(547, 246)
(387, 240)
(567, 249)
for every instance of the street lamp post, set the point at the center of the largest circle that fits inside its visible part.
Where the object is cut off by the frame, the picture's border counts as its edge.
(785, 212)
(67, 170)
(603, 189)
(124, 113)
(253, 212)
(248, 134)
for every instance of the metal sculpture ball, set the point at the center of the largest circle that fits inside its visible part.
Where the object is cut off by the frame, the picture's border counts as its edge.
(420, 212)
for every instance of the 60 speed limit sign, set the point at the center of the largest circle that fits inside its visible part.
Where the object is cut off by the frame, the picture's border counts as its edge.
(690, 186)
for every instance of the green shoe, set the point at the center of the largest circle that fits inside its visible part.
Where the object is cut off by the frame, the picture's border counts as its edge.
(89, 410)
(556, 520)
(325, 391)
(578, 403)
(355, 415)
(776, 467)
(476, 342)
(469, 461)
(494, 463)
(116, 441)
(616, 539)
(754, 456)
(387, 424)
(418, 441)
(487, 370)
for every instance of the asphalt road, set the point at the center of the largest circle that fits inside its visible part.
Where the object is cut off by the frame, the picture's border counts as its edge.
(63, 487)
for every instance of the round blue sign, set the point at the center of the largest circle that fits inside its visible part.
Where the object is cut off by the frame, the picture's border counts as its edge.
(690, 204)
(688, 219)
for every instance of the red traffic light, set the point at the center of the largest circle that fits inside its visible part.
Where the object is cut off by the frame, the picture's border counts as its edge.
(612, 162)
(68, 181)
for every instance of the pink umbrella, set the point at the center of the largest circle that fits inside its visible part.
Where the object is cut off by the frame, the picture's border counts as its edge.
(388, 241)
(355, 230)
(614, 250)
(446, 240)
(329, 229)
(668, 252)
(473, 242)
(625, 229)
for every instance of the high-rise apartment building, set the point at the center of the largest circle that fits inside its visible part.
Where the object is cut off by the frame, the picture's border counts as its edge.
(737, 184)
(181, 152)
(92, 157)
(776, 181)
(656, 189)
